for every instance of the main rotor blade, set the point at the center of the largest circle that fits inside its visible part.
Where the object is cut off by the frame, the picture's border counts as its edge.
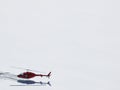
(27, 69)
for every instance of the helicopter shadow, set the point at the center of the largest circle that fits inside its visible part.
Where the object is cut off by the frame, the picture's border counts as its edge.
(33, 83)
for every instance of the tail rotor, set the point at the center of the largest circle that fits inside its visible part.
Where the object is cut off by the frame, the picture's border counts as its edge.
(49, 74)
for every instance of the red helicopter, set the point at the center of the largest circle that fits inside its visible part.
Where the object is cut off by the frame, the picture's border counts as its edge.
(29, 74)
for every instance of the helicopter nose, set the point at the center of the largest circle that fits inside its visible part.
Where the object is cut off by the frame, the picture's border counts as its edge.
(19, 75)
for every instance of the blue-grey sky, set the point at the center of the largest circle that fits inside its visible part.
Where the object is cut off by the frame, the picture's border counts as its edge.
(78, 40)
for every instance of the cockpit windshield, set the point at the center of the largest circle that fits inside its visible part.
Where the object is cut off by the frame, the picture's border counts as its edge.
(22, 74)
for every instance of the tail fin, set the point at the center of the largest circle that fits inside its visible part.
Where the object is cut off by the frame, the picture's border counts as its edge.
(49, 74)
(49, 83)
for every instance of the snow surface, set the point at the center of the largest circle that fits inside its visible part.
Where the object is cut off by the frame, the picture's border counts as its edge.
(77, 40)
